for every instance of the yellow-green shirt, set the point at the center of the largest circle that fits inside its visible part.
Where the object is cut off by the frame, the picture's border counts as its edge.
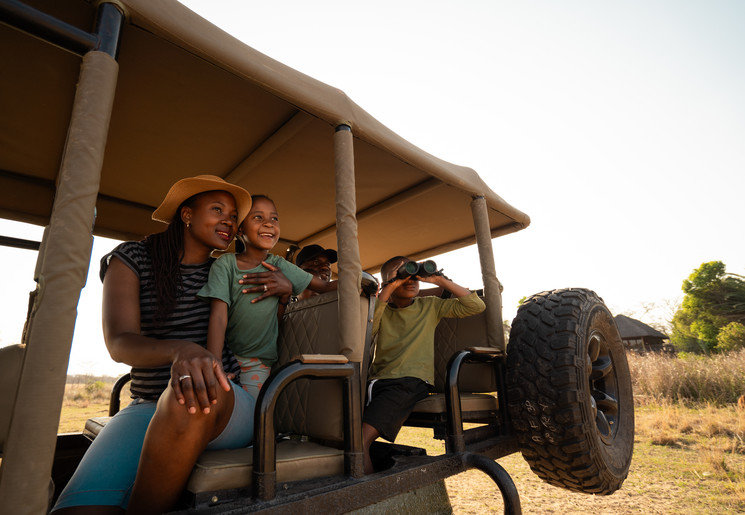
(406, 336)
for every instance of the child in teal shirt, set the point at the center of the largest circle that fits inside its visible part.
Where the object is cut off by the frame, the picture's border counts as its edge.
(250, 328)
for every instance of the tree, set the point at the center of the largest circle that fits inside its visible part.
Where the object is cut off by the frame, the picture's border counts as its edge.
(713, 299)
(682, 337)
(731, 337)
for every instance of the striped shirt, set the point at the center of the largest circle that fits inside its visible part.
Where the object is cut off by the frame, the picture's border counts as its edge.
(188, 320)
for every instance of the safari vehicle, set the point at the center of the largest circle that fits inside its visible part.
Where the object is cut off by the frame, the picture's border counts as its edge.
(105, 104)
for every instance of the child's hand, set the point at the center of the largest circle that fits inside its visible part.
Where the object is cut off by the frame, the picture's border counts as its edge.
(437, 279)
(394, 281)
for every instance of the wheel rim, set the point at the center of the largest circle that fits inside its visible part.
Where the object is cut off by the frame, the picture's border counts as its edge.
(603, 386)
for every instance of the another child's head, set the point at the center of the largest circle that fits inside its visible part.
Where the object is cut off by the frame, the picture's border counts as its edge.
(260, 229)
(409, 288)
(388, 268)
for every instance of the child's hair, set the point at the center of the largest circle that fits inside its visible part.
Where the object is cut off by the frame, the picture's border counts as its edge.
(385, 270)
(261, 195)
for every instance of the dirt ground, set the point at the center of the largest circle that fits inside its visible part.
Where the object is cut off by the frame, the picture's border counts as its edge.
(662, 480)
(686, 461)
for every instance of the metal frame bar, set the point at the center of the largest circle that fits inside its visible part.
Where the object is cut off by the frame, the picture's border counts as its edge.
(105, 36)
(265, 446)
(19, 243)
(455, 440)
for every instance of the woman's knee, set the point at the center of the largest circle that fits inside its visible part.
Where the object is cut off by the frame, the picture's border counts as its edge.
(178, 418)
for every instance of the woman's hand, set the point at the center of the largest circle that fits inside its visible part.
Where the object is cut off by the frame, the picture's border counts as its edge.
(270, 284)
(195, 376)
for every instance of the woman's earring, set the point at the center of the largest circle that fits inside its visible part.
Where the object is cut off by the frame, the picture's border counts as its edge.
(188, 225)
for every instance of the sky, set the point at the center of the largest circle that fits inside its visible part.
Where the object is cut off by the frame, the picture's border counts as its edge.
(619, 127)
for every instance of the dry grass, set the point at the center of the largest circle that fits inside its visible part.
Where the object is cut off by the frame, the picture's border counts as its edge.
(84, 400)
(687, 379)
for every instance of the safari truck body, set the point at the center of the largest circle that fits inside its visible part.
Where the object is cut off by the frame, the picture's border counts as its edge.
(104, 105)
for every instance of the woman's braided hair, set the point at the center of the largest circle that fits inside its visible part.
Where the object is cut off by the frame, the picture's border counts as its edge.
(167, 250)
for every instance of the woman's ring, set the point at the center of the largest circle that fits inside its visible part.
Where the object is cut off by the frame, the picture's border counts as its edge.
(266, 288)
(185, 376)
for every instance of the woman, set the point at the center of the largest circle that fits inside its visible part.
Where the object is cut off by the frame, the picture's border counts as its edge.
(152, 320)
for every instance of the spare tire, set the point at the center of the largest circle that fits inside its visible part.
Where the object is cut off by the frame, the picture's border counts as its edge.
(569, 391)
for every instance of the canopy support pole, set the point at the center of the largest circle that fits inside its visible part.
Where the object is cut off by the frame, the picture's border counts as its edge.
(350, 275)
(492, 288)
(61, 271)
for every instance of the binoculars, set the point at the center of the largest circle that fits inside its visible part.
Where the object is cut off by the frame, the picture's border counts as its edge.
(412, 268)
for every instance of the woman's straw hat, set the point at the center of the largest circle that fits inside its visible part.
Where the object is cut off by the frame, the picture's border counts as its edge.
(191, 186)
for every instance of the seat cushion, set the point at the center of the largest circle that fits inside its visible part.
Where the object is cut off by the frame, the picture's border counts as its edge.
(94, 425)
(435, 403)
(233, 468)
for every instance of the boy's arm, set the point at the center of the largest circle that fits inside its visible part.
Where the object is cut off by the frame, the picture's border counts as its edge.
(216, 330)
(388, 288)
(444, 282)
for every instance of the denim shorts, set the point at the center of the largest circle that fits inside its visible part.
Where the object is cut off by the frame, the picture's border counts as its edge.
(107, 471)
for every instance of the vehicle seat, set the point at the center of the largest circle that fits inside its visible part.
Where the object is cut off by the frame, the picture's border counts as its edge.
(477, 378)
(308, 411)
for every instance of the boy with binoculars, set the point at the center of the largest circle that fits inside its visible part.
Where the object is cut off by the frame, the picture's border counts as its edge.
(403, 369)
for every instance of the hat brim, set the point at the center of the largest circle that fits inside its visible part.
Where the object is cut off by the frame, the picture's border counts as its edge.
(186, 188)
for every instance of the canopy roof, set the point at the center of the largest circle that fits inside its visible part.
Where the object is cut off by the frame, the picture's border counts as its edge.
(192, 99)
(631, 328)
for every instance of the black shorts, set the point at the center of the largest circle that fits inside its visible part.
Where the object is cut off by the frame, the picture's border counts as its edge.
(391, 401)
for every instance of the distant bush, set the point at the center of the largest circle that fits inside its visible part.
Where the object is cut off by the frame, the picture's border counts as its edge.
(94, 390)
(689, 378)
(95, 386)
(731, 337)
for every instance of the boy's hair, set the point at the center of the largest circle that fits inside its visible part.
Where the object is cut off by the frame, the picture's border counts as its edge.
(385, 270)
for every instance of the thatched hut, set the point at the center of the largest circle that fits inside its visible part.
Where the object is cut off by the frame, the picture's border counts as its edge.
(639, 337)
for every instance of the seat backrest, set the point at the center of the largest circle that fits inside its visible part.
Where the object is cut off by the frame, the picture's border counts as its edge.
(11, 360)
(453, 335)
(313, 407)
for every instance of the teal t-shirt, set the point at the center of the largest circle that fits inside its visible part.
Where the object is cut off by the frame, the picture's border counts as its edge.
(252, 329)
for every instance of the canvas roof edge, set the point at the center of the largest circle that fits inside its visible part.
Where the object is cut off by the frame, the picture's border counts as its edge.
(182, 27)
(633, 328)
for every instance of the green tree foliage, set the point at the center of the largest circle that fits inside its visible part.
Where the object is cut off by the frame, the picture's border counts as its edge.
(731, 337)
(713, 299)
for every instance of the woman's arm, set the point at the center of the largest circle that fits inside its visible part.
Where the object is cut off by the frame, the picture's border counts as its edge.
(121, 330)
(318, 285)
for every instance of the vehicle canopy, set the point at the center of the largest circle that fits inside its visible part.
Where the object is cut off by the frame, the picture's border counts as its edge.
(97, 125)
(192, 99)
